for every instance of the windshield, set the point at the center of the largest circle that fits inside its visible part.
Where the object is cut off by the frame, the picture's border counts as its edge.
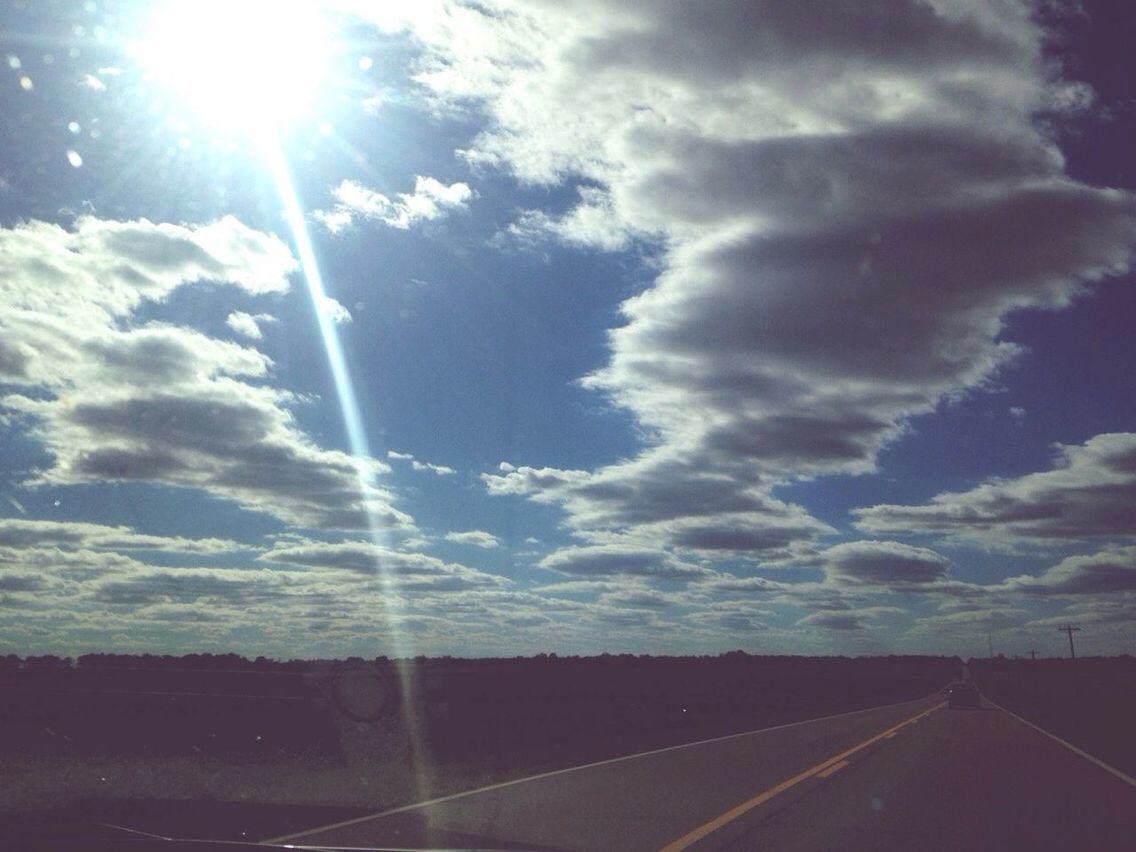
(349, 350)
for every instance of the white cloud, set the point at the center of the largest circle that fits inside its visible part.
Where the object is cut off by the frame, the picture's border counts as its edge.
(248, 325)
(591, 224)
(415, 464)
(439, 469)
(156, 402)
(476, 538)
(845, 220)
(431, 200)
(335, 311)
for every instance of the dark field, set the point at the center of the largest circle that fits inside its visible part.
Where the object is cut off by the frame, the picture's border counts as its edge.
(165, 737)
(1089, 702)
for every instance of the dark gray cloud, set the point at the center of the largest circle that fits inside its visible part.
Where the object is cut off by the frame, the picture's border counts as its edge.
(188, 586)
(1110, 572)
(1089, 494)
(665, 499)
(831, 620)
(887, 564)
(231, 440)
(744, 38)
(21, 582)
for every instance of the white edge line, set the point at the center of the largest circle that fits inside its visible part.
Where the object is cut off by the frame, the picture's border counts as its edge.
(430, 802)
(1111, 769)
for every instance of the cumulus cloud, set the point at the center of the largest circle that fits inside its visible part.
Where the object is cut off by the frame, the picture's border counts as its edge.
(26, 532)
(162, 403)
(732, 617)
(884, 563)
(1109, 572)
(431, 200)
(1089, 494)
(406, 571)
(476, 538)
(850, 620)
(666, 499)
(845, 220)
(248, 325)
(615, 559)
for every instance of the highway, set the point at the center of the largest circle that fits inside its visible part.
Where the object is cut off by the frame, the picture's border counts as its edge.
(916, 775)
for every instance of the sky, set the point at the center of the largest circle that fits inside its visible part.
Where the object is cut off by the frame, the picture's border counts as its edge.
(501, 328)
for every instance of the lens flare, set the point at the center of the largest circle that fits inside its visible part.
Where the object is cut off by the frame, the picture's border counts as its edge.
(357, 439)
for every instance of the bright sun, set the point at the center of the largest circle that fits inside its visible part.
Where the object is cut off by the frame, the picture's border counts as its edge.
(252, 65)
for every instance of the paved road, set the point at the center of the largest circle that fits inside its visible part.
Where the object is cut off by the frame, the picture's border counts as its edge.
(910, 776)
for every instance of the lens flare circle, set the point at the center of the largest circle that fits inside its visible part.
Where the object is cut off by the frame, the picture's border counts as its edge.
(255, 64)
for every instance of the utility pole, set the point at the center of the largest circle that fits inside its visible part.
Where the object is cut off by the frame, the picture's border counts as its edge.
(1069, 630)
(990, 643)
(1033, 654)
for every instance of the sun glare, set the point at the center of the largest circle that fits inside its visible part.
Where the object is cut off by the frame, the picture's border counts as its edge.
(246, 64)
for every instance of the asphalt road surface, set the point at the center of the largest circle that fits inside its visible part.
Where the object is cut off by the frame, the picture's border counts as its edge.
(916, 775)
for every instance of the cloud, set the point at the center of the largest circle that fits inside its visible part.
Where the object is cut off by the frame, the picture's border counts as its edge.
(335, 311)
(430, 201)
(24, 532)
(529, 481)
(415, 464)
(844, 220)
(1109, 572)
(60, 289)
(476, 538)
(612, 560)
(846, 620)
(161, 403)
(405, 571)
(669, 499)
(887, 564)
(1089, 494)
(591, 224)
(248, 325)
(439, 469)
(732, 617)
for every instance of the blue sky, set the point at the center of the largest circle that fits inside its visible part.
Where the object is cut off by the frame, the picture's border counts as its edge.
(668, 328)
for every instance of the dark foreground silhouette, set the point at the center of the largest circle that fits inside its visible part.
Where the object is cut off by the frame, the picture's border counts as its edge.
(237, 749)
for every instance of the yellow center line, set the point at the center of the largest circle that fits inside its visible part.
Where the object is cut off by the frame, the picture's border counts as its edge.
(689, 839)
